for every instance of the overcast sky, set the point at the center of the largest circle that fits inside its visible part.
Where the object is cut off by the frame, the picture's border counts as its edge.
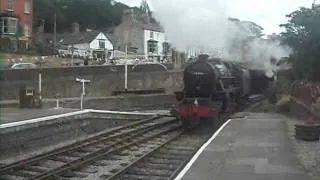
(267, 13)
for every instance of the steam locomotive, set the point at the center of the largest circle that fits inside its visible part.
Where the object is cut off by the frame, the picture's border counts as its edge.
(213, 86)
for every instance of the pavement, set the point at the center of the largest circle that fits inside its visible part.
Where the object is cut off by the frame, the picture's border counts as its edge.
(252, 146)
(9, 115)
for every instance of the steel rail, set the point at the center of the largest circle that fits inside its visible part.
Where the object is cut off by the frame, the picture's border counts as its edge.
(85, 143)
(102, 152)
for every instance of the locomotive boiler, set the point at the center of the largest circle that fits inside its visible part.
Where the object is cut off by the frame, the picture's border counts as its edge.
(213, 86)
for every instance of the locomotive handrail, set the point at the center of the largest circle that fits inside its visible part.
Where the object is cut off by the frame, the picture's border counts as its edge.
(228, 90)
(230, 77)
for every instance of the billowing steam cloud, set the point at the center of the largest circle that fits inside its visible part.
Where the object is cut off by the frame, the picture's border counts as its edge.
(204, 25)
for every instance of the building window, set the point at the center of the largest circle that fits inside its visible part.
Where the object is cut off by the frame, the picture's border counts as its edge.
(27, 30)
(102, 44)
(166, 48)
(8, 25)
(12, 26)
(153, 47)
(10, 4)
(151, 34)
(27, 6)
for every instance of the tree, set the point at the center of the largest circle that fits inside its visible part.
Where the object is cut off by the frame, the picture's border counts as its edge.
(302, 34)
(144, 7)
(97, 14)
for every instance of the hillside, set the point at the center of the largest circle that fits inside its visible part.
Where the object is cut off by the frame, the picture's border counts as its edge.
(93, 14)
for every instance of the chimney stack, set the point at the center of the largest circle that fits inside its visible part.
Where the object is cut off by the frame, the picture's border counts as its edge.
(128, 16)
(146, 18)
(75, 28)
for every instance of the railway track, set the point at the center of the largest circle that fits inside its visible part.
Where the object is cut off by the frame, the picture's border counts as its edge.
(104, 154)
(154, 148)
(165, 162)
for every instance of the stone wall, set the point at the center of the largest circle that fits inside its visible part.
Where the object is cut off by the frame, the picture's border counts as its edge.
(104, 80)
(30, 139)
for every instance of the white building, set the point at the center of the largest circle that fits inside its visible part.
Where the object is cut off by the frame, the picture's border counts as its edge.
(141, 36)
(90, 43)
(154, 43)
(93, 44)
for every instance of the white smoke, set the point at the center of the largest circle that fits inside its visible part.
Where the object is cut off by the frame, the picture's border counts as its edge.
(204, 25)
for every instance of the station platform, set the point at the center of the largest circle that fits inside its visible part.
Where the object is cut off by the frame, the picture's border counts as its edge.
(10, 115)
(250, 146)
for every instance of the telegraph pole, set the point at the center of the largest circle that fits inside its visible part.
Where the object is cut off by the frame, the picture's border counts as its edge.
(55, 29)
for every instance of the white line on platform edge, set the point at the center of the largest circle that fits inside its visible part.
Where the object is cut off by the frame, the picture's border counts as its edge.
(195, 157)
(35, 120)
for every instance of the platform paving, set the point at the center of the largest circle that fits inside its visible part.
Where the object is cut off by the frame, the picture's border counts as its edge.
(9, 115)
(254, 146)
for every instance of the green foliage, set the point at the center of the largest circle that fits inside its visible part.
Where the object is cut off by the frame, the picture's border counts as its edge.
(95, 14)
(303, 36)
(316, 109)
(283, 85)
(144, 7)
(283, 105)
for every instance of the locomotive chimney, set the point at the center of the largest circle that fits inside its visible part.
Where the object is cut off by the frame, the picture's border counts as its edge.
(203, 57)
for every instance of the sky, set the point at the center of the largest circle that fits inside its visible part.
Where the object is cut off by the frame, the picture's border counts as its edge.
(267, 13)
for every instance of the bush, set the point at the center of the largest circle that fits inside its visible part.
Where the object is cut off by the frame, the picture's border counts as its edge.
(283, 105)
(316, 109)
(283, 85)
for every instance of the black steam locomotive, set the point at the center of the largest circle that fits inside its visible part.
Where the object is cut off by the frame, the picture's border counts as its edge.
(212, 86)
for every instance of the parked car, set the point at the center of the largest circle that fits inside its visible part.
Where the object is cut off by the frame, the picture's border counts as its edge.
(23, 66)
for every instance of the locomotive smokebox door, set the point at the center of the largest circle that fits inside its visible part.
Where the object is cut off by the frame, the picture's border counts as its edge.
(179, 95)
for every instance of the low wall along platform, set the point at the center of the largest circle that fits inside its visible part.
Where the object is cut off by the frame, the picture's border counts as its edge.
(23, 139)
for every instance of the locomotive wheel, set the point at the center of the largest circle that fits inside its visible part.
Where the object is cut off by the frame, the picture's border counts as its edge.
(186, 125)
(209, 122)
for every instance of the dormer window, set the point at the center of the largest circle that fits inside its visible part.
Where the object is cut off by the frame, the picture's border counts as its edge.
(151, 34)
(102, 44)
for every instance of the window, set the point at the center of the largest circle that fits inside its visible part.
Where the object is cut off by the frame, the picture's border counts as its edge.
(12, 26)
(27, 30)
(165, 48)
(151, 34)
(1, 25)
(10, 4)
(102, 44)
(8, 25)
(153, 47)
(27, 6)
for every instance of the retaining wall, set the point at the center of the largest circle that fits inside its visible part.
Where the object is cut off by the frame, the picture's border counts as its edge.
(104, 80)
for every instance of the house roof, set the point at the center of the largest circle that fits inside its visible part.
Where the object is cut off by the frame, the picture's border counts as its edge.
(153, 27)
(76, 38)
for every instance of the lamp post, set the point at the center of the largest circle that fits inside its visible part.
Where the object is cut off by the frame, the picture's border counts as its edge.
(55, 23)
(83, 81)
(55, 31)
(126, 71)
(72, 53)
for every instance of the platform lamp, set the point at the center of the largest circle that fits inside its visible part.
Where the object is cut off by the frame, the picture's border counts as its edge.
(83, 81)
